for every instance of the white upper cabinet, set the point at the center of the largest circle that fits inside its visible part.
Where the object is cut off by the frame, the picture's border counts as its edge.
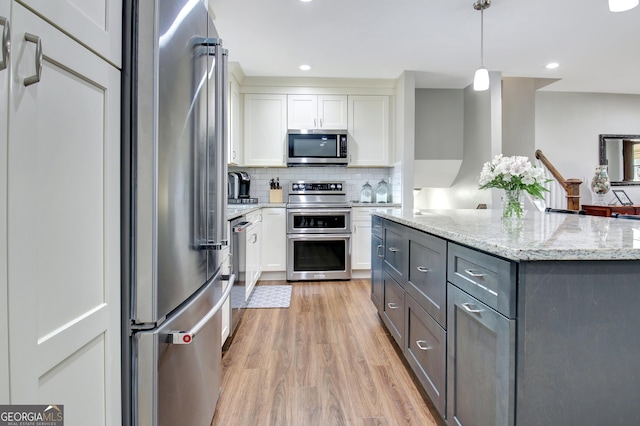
(317, 111)
(95, 23)
(369, 131)
(265, 129)
(234, 150)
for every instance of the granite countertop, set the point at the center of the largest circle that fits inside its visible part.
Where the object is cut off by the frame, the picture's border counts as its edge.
(537, 236)
(236, 210)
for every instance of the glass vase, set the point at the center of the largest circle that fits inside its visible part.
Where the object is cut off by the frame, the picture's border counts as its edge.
(600, 184)
(513, 204)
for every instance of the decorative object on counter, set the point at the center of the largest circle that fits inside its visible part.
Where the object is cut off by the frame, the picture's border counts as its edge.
(513, 174)
(242, 201)
(382, 192)
(600, 184)
(275, 191)
(622, 197)
(366, 193)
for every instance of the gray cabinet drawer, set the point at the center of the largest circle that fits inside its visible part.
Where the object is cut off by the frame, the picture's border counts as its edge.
(425, 351)
(393, 308)
(488, 278)
(427, 276)
(376, 226)
(376, 272)
(395, 250)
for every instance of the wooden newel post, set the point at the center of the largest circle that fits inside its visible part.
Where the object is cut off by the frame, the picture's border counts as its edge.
(573, 193)
(571, 186)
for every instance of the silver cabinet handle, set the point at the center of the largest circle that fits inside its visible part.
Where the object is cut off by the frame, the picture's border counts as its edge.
(314, 122)
(378, 250)
(470, 307)
(186, 337)
(393, 249)
(36, 77)
(419, 343)
(321, 123)
(6, 42)
(473, 274)
(423, 269)
(392, 306)
(255, 238)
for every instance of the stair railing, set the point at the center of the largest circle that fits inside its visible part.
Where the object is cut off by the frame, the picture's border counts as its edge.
(571, 186)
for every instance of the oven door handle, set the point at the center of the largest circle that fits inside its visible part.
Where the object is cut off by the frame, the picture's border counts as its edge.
(320, 211)
(315, 237)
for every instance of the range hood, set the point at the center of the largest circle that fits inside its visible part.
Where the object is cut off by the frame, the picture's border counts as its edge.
(435, 173)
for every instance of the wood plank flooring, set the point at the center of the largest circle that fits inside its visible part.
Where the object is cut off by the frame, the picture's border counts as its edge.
(326, 360)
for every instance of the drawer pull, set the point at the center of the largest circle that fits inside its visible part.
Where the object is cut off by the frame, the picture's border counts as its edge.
(393, 306)
(423, 269)
(378, 250)
(471, 272)
(393, 249)
(419, 343)
(470, 307)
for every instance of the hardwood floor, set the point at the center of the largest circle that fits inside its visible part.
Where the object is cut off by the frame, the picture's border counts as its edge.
(326, 360)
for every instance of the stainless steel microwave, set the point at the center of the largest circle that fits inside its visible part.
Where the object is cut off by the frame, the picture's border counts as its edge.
(317, 147)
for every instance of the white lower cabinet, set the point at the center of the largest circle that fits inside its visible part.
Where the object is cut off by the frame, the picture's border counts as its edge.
(274, 237)
(253, 251)
(5, 9)
(361, 238)
(63, 225)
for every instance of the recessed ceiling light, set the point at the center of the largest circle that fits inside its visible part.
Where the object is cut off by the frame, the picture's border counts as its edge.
(305, 67)
(305, 1)
(552, 65)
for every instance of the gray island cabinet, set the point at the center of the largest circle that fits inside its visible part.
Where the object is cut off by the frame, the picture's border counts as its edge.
(534, 322)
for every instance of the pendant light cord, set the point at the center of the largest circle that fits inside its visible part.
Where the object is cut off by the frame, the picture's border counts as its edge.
(482, 37)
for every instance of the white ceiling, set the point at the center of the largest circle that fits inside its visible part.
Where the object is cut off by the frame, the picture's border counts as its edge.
(598, 51)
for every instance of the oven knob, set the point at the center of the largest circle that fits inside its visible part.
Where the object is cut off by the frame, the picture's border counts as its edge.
(332, 186)
(295, 186)
(339, 186)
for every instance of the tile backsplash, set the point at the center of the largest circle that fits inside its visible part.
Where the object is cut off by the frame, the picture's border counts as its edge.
(354, 178)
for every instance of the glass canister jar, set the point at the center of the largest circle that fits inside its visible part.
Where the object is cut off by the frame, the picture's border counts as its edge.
(366, 193)
(382, 192)
(600, 184)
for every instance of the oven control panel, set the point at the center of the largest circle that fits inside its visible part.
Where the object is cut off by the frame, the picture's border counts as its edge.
(317, 187)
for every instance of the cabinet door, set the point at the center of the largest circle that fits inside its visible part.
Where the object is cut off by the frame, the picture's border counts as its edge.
(393, 308)
(481, 363)
(4, 99)
(426, 351)
(265, 129)
(426, 276)
(274, 236)
(302, 111)
(64, 226)
(377, 288)
(235, 147)
(361, 238)
(369, 131)
(332, 112)
(96, 24)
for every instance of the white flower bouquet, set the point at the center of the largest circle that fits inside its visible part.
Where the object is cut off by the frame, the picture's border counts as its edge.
(515, 175)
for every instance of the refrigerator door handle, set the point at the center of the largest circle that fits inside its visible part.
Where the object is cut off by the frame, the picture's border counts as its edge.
(186, 337)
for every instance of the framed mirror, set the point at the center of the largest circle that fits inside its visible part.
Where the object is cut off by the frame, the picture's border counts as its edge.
(621, 153)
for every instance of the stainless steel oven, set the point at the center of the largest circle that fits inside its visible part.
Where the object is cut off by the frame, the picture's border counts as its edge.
(318, 232)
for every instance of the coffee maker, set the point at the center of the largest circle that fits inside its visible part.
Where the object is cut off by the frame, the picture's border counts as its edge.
(239, 183)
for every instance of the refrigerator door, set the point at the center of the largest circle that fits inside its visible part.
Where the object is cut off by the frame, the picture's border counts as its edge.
(179, 384)
(171, 143)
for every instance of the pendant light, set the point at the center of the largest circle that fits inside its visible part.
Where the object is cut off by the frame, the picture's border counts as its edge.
(481, 78)
(622, 5)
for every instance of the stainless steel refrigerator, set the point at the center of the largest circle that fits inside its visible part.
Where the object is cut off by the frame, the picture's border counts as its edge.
(174, 212)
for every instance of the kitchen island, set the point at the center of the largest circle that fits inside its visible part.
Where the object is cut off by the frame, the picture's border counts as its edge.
(529, 322)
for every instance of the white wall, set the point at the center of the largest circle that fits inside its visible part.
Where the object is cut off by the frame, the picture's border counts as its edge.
(567, 126)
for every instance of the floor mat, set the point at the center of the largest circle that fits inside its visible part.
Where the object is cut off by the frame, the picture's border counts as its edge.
(270, 296)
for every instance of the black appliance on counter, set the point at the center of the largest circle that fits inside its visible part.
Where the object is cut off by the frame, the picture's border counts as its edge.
(239, 185)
